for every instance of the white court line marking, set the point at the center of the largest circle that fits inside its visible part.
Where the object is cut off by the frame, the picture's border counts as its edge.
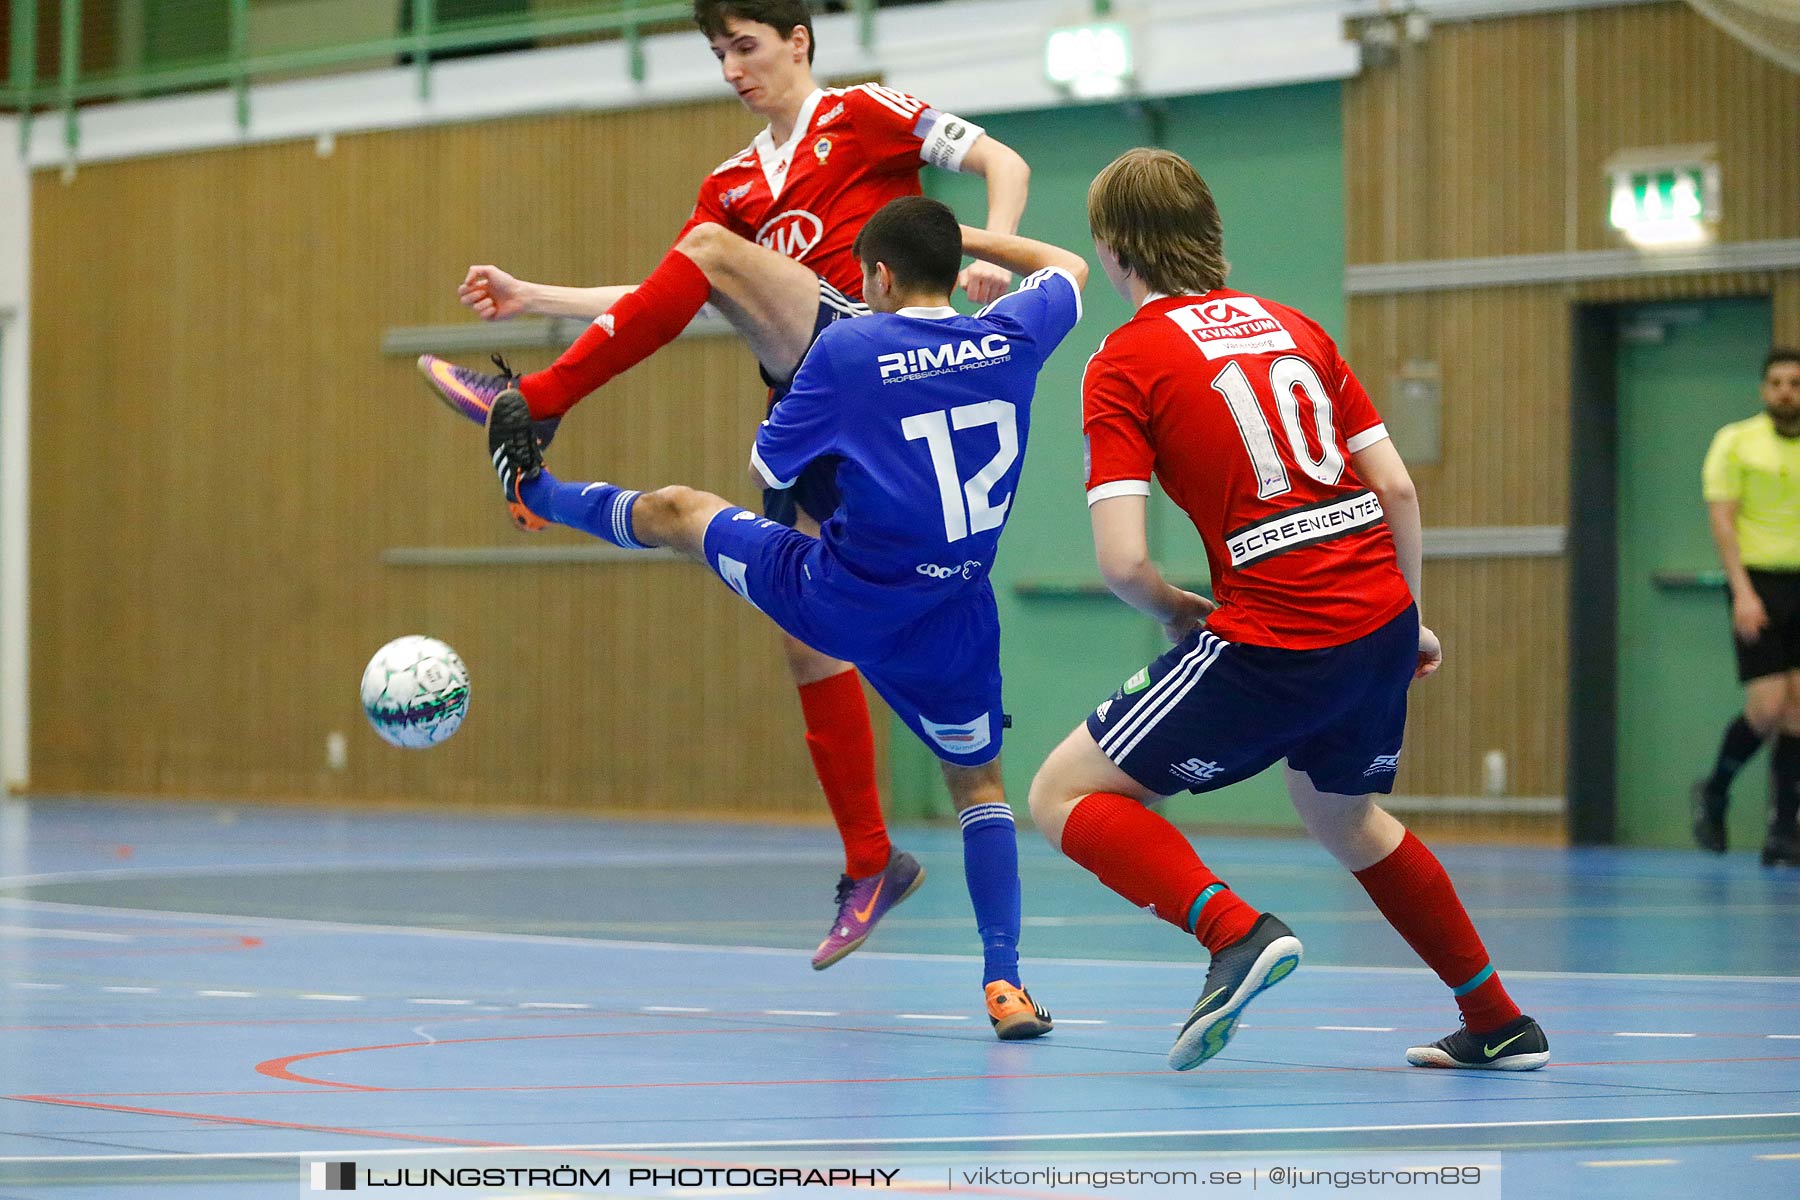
(1350, 1028)
(1656, 1035)
(132, 991)
(1785, 1037)
(797, 1012)
(39, 987)
(430, 1000)
(329, 996)
(1073, 1021)
(1777, 1157)
(931, 1017)
(673, 1008)
(227, 995)
(551, 1004)
(1632, 1162)
(68, 935)
(615, 944)
(1127, 1135)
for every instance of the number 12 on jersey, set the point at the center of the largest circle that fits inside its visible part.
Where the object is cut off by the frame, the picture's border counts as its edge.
(968, 507)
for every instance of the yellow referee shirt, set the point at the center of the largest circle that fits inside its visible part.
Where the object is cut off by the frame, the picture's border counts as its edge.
(1752, 464)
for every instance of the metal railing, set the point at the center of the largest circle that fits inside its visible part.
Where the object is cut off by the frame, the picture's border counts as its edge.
(429, 38)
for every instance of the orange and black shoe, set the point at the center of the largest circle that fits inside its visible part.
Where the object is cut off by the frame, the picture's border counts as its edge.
(471, 394)
(1014, 1015)
(516, 453)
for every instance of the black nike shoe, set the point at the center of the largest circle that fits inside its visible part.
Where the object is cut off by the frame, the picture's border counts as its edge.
(1519, 1045)
(1255, 962)
(1781, 850)
(1709, 818)
(516, 454)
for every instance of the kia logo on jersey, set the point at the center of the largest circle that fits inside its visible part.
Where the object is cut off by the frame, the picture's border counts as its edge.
(793, 233)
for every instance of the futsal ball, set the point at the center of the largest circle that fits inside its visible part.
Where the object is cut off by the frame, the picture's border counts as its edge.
(415, 692)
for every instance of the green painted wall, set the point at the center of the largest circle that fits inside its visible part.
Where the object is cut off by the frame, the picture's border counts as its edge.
(1274, 159)
(1677, 675)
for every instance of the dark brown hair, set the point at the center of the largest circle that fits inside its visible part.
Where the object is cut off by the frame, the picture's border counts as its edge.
(783, 16)
(920, 241)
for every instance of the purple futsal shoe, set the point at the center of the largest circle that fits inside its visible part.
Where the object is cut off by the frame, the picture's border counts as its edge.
(862, 902)
(471, 394)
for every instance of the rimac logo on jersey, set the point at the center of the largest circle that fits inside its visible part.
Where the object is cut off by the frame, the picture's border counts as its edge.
(902, 366)
(1232, 325)
(792, 233)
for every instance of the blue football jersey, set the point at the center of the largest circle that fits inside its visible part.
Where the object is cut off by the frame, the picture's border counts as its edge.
(929, 412)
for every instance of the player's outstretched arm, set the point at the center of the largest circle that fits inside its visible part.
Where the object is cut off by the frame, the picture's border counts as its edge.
(494, 295)
(1022, 254)
(1008, 179)
(1123, 552)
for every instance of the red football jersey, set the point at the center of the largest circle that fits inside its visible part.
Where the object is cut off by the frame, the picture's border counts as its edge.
(853, 150)
(1247, 415)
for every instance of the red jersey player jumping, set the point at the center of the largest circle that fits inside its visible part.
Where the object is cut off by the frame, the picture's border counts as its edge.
(769, 244)
(1245, 413)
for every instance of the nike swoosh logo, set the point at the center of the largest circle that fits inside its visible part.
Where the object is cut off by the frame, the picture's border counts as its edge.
(862, 914)
(1490, 1051)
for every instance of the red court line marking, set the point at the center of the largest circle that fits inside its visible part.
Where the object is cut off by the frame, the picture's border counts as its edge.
(238, 942)
(220, 1119)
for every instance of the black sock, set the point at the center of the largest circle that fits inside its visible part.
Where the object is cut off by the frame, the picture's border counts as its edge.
(1786, 755)
(1738, 747)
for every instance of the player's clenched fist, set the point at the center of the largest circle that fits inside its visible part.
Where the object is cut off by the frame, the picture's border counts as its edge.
(984, 282)
(491, 293)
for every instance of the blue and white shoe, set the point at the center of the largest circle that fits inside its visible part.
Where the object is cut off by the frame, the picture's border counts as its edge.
(1254, 963)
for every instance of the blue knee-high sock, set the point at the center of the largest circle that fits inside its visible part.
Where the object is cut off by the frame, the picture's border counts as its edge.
(991, 866)
(597, 508)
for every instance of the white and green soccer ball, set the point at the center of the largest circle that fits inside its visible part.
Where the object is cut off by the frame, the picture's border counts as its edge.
(415, 692)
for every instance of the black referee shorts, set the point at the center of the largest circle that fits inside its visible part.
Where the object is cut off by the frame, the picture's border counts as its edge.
(1777, 650)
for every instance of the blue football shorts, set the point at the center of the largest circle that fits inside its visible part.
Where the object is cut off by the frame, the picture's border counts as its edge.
(938, 667)
(815, 492)
(1210, 712)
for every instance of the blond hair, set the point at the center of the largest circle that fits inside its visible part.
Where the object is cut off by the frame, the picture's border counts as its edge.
(1157, 215)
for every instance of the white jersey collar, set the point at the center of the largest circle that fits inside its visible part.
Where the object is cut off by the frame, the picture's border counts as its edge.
(934, 313)
(775, 159)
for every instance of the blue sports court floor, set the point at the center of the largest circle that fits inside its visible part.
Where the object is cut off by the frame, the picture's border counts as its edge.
(196, 1001)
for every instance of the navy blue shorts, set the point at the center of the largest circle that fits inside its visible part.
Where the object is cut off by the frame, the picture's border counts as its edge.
(1211, 712)
(938, 667)
(815, 492)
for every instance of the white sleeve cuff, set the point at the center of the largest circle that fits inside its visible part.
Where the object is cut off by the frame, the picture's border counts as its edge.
(769, 477)
(949, 141)
(1123, 487)
(1366, 438)
(1074, 288)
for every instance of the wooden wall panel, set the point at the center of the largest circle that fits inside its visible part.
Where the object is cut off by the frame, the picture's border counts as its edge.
(221, 453)
(1490, 138)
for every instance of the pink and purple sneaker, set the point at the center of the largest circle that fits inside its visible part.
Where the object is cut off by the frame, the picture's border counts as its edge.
(471, 394)
(863, 902)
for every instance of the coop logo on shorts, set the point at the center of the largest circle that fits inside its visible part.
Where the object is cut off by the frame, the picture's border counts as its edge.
(967, 570)
(1384, 764)
(1196, 771)
(966, 737)
(903, 366)
(1233, 325)
(793, 233)
(334, 1177)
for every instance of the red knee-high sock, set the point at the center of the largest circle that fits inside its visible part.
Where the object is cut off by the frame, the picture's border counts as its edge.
(842, 744)
(1415, 894)
(639, 325)
(1146, 860)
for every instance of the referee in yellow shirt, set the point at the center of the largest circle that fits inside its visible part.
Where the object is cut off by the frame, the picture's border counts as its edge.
(1752, 485)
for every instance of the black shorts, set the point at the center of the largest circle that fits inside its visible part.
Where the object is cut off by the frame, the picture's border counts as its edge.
(815, 492)
(1211, 712)
(1778, 649)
